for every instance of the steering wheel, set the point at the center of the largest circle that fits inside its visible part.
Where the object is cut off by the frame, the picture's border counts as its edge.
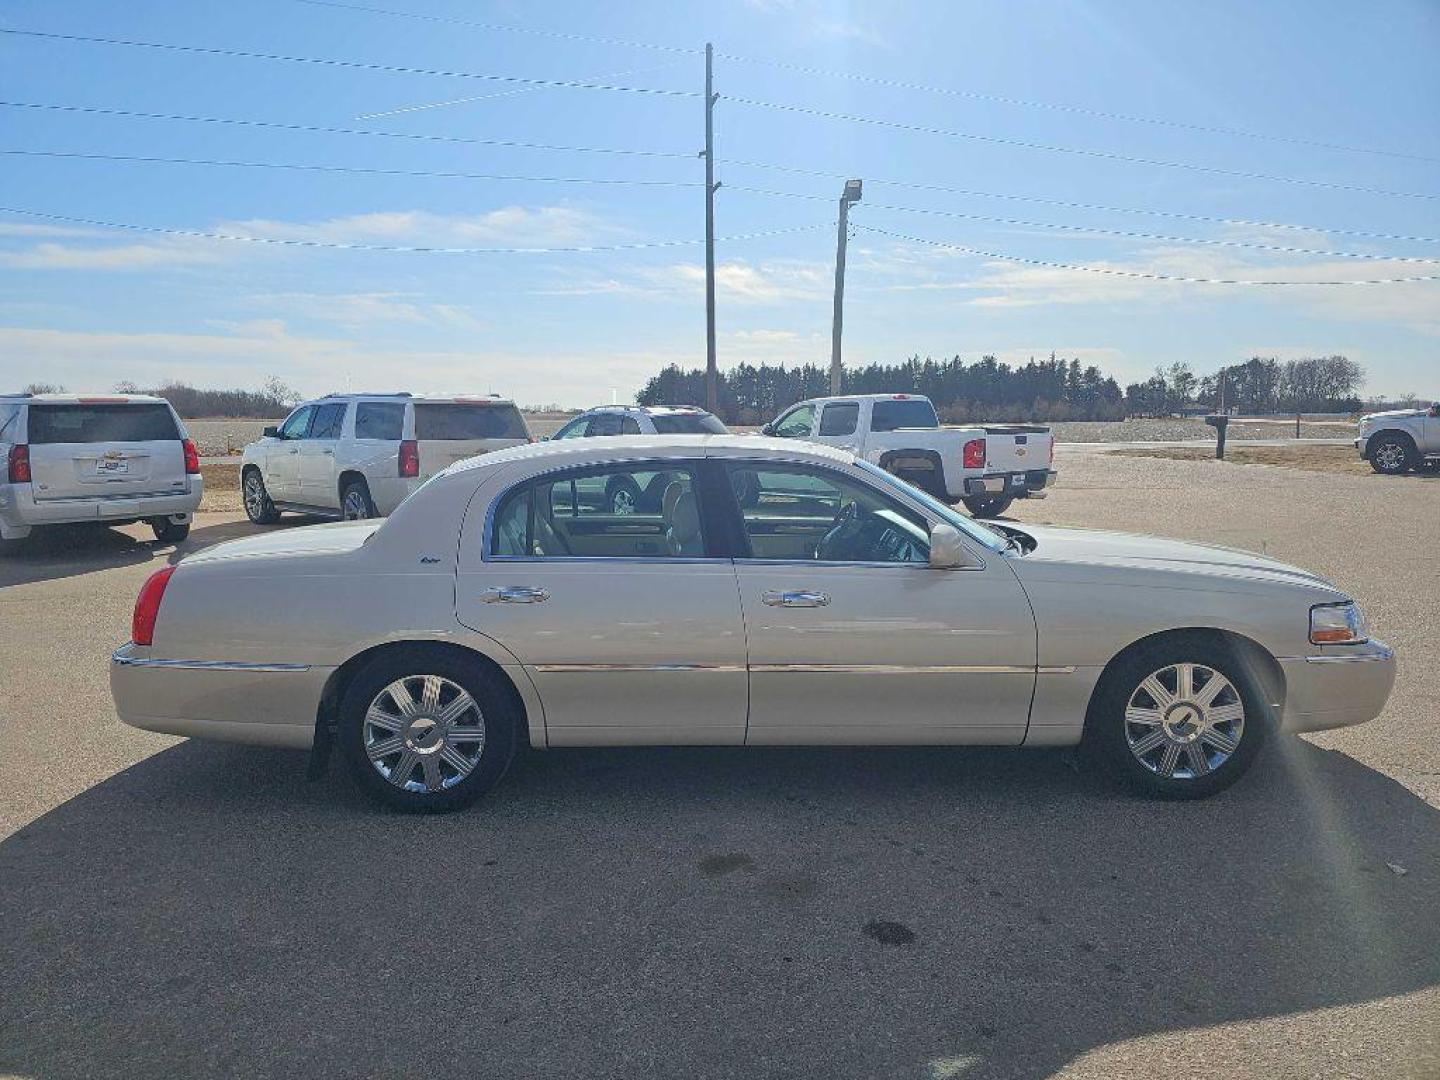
(841, 535)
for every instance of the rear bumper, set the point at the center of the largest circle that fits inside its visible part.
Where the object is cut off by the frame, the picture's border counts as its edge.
(1018, 485)
(264, 704)
(20, 511)
(1347, 685)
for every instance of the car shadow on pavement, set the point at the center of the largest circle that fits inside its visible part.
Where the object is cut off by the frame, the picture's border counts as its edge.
(60, 551)
(697, 913)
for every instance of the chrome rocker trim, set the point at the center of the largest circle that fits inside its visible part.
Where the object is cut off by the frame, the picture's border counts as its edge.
(120, 659)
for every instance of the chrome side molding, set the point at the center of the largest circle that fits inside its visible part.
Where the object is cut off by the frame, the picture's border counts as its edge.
(120, 659)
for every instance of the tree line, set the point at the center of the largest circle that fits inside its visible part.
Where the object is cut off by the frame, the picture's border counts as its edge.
(1043, 390)
(1053, 389)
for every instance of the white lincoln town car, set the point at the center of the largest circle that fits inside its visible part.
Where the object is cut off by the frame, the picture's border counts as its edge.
(832, 605)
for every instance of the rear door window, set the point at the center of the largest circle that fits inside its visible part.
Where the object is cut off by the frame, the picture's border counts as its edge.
(629, 426)
(840, 418)
(101, 423)
(379, 420)
(446, 422)
(328, 419)
(605, 424)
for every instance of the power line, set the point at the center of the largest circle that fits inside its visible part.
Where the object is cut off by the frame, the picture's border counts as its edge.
(1115, 272)
(1072, 204)
(1104, 155)
(436, 173)
(1098, 231)
(870, 80)
(318, 129)
(393, 69)
(408, 249)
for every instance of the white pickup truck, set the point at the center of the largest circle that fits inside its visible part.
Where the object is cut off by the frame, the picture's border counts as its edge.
(985, 466)
(1400, 440)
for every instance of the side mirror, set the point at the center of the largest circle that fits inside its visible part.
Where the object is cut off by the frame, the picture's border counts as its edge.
(271, 432)
(768, 429)
(947, 550)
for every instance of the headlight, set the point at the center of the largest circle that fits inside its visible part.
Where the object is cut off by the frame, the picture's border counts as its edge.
(1337, 624)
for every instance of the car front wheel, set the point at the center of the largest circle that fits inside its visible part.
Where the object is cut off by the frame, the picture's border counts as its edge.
(425, 729)
(258, 507)
(1392, 454)
(1181, 719)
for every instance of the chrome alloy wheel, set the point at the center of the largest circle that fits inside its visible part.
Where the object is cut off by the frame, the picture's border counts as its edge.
(424, 733)
(1390, 456)
(355, 508)
(254, 496)
(1184, 721)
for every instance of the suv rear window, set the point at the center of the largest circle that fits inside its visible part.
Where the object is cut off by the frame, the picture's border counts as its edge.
(379, 420)
(688, 424)
(101, 423)
(912, 413)
(449, 422)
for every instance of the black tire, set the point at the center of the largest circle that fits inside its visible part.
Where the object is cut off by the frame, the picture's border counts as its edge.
(1391, 455)
(987, 506)
(924, 479)
(355, 501)
(497, 718)
(258, 507)
(168, 532)
(622, 496)
(1109, 734)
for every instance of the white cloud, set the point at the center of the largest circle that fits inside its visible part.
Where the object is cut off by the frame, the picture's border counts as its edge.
(357, 310)
(52, 256)
(737, 281)
(509, 226)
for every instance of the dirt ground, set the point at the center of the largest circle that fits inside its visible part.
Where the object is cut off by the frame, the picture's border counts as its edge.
(1312, 458)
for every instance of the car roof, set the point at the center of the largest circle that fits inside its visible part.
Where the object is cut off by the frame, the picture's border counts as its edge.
(89, 399)
(648, 410)
(864, 397)
(422, 399)
(628, 447)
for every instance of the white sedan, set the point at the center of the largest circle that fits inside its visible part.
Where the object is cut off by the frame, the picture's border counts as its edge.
(505, 600)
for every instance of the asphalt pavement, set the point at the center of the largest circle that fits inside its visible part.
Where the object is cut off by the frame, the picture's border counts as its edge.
(183, 908)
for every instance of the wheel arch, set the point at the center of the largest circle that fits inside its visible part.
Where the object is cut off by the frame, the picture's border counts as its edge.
(345, 478)
(327, 713)
(1391, 433)
(1260, 661)
(892, 459)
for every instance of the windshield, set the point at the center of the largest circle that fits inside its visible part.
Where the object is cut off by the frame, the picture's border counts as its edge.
(688, 424)
(989, 539)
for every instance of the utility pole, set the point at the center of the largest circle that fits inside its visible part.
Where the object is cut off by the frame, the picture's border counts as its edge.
(851, 194)
(712, 376)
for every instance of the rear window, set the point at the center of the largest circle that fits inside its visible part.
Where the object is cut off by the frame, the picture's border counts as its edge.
(450, 422)
(379, 420)
(101, 423)
(688, 424)
(910, 413)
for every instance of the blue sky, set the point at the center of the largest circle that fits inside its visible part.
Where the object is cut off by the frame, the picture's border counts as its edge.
(88, 306)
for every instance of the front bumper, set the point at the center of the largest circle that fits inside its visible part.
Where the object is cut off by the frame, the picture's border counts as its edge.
(264, 704)
(1337, 686)
(1018, 485)
(20, 512)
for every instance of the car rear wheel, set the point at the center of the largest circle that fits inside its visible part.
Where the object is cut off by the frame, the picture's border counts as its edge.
(258, 507)
(355, 503)
(424, 729)
(1181, 719)
(981, 506)
(1392, 454)
(169, 532)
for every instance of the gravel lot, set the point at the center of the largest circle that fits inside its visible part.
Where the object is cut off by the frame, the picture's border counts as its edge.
(183, 908)
(217, 437)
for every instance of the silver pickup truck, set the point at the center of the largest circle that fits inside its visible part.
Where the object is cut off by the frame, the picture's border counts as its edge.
(985, 466)
(1400, 440)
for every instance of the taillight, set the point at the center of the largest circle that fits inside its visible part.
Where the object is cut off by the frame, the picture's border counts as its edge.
(192, 458)
(147, 606)
(20, 464)
(974, 454)
(409, 458)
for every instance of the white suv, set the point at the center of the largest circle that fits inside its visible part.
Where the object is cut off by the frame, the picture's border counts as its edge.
(359, 455)
(112, 460)
(642, 420)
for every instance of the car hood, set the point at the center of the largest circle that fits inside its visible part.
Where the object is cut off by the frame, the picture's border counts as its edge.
(1130, 554)
(304, 540)
(1393, 414)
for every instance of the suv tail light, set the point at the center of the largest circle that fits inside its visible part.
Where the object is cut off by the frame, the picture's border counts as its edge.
(974, 454)
(409, 458)
(20, 464)
(192, 458)
(147, 606)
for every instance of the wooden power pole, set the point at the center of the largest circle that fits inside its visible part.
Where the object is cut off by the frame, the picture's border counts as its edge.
(712, 376)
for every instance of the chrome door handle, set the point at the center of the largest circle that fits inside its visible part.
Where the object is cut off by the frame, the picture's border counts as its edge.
(327, 451)
(515, 594)
(796, 598)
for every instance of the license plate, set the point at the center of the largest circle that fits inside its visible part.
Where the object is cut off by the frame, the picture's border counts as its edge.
(107, 466)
